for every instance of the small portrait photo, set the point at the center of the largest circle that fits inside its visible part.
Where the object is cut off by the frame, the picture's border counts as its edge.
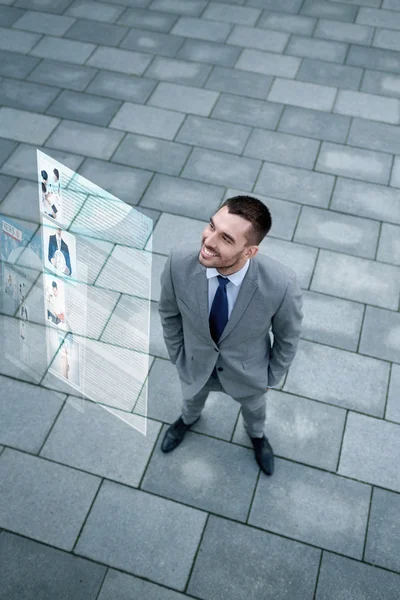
(59, 251)
(66, 363)
(50, 191)
(55, 301)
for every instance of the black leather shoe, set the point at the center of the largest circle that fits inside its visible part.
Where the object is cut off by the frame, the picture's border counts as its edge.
(175, 434)
(264, 454)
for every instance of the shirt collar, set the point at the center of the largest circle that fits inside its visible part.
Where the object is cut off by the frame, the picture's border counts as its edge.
(236, 278)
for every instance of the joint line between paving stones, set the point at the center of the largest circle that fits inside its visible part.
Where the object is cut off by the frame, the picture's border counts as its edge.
(357, 350)
(196, 553)
(318, 574)
(313, 270)
(87, 514)
(341, 444)
(378, 243)
(368, 523)
(46, 437)
(387, 392)
(296, 224)
(102, 583)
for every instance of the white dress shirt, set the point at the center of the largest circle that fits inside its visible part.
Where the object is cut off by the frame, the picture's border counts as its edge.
(232, 287)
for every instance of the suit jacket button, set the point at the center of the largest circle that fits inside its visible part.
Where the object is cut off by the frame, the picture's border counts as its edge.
(220, 369)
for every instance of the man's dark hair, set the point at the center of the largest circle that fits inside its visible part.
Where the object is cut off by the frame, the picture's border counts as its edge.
(53, 284)
(56, 173)
(44, 175)
(252, 210)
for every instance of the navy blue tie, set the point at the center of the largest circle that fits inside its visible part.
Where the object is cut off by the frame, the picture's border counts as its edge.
(219, 310)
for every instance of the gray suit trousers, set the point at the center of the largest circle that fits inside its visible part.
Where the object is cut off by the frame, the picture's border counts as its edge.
(254, 407)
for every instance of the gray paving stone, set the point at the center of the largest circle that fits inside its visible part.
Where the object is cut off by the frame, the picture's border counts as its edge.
(179, 71)
(346, 578)
(47, 573)
(302, 430)
(328, 10)
(316, 501)
(101, 442)
(152, 154)
(24, 126)
(62, 49)
(354, 162)
(132, 530)
(331, 320)
(387, 38)
(219, 476)
(7, 147)
(97, 142)
(201, 29)
(84, 107)
(357, 279)
(340, 378)
(345, 32)
(380, 336)
(16, 65)
(43, 22)
(369, 447)
(128, 587)
(366, 200)
(274, 41)
(122, 61)
(395, 179)
(378, 136)
(389, 244)
(306, 95)
(123, 87)
(335, 231)
(9, 14)
(6, 184)
(282, 148)
(152, 42)
(221, 168)
(147, 120)
(317, 49)
(185, 7)
(247, 111)
(20, 198)
(289, 23)
(42, 500)
(390, 4)
(125, 183)
(52, 6)
(284, 569)
(297, 185)
(268, 63)
(241, 15)
(368, 106)
(93, 10)
(209, 52)
(286, 6)
(374, 58)
(315, 124)
(214, 134)
(26, 96)
(96, 32)
(374, 3)
(17, 41)
(186, 230)
(239, 82)
(331, 74)
(393, 405)
(180, 196)
(300, 259)
(147, 19)
(284, 214)
(62, 74)
(183, 98)
(26, 414)
(382, 547)
(378, 18)
(384, 84)
(23, 161)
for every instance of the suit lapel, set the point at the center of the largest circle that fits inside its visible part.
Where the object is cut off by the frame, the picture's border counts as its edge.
(247, 289)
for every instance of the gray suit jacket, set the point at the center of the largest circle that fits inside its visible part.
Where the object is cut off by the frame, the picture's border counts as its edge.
(269, 297)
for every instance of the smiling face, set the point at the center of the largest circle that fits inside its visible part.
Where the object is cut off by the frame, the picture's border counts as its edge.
(224, 237)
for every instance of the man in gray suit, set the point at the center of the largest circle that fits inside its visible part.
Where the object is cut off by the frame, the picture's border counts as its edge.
(217, 305)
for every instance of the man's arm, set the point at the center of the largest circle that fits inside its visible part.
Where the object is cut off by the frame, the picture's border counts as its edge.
(171, 319)
(286, 327)
(67, 259)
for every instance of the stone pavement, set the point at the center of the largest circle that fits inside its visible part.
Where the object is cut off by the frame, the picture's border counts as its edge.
(174, 105)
